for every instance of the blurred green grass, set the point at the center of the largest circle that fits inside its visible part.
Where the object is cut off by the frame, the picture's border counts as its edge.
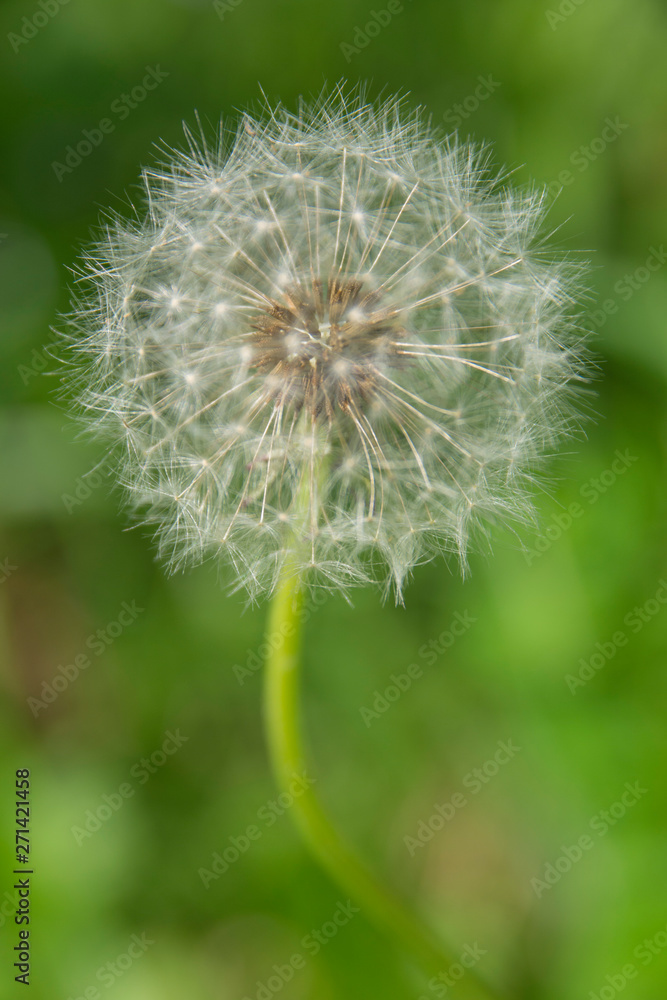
(173, 668)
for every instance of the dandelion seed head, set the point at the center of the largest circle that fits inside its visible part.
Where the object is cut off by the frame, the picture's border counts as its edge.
(335, 339)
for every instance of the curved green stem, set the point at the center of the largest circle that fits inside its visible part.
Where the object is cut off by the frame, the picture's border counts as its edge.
(281, 712)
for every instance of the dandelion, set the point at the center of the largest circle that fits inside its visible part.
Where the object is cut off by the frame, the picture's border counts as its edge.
(331, 349)
(335, 342)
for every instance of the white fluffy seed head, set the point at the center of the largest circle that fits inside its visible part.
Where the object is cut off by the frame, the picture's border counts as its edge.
(331, 340)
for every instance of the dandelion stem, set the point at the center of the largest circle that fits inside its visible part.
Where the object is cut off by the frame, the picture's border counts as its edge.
(283, 733)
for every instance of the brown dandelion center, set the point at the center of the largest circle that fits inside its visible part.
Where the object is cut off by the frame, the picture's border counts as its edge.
(321, 346)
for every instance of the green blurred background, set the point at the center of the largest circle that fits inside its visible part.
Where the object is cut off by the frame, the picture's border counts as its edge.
(554, 75)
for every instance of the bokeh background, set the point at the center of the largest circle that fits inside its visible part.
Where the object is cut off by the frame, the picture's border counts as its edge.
(555, 76)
